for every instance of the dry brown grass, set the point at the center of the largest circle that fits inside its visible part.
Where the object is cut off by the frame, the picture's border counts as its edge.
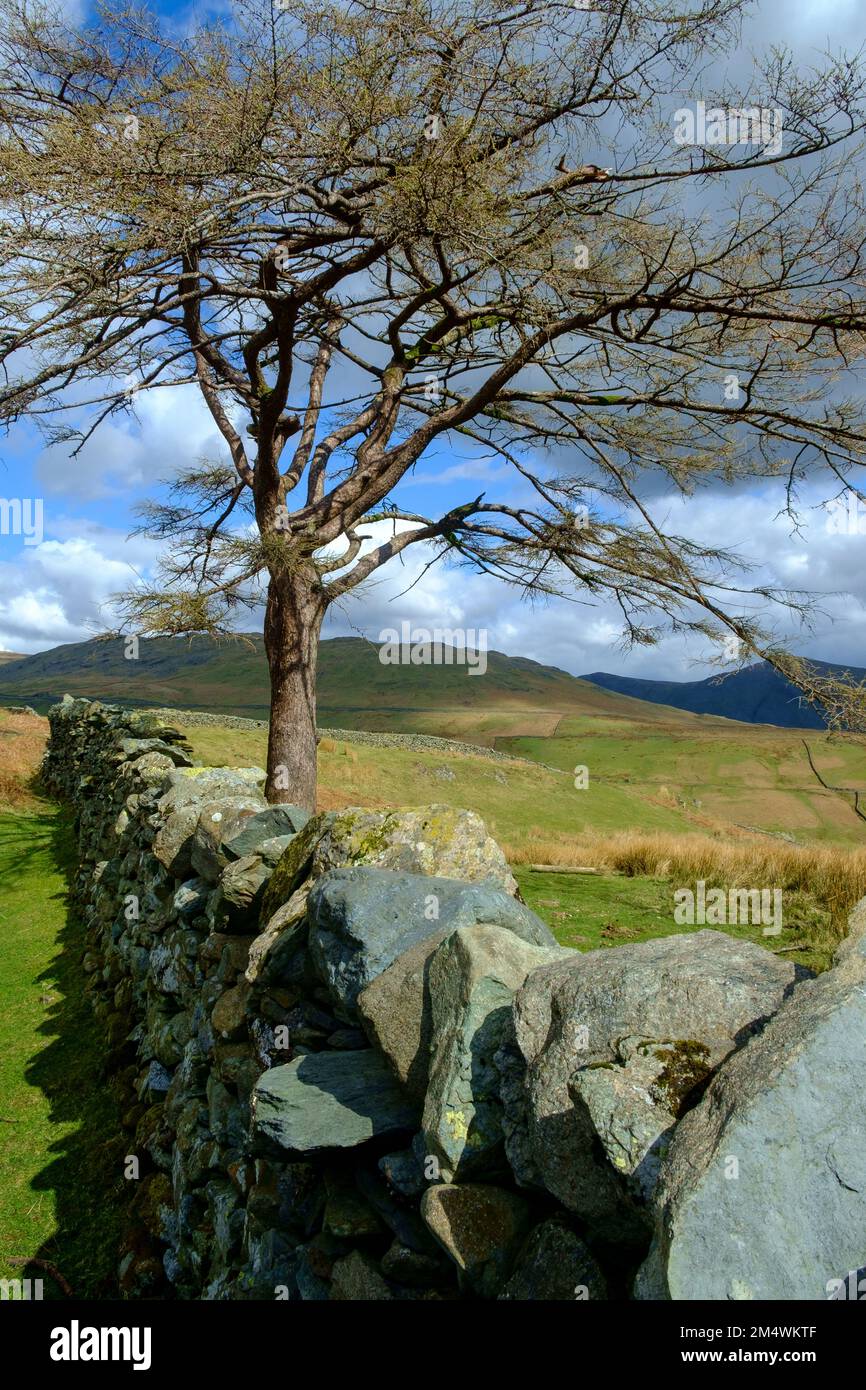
(22, 742)
(835, 877)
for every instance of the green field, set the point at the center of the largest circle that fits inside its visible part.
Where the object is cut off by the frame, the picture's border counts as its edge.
(58, 1133)
(751, 776)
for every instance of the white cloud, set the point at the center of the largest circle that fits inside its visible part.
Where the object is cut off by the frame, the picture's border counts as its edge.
(129, 454)
(60, 591)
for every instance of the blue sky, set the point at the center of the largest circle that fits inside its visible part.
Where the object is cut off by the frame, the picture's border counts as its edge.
(58, 590)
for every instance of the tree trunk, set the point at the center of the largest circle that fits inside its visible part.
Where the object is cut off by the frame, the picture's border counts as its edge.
(293, 620)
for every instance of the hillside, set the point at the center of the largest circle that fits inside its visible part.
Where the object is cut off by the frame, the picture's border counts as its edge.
(755, 695)
(515, 696)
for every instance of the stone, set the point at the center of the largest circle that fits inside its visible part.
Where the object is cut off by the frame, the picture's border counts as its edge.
(172, 845)
(356, 1277)
(229, 1014)
(191, 897)
(396, 1012)
(276, 821)
(415, 1268)
(626, 1106)
(347, 1215)
(404, 1172)
(293, 866)
(274, 952)
(361, 919)
(241, 887)
(705, 993)
(555, 1265)
(433, 840)
(219, 821)
(480, 1227)
(196, 785)
(473, 976)
(762, 1194)
(329, 1100)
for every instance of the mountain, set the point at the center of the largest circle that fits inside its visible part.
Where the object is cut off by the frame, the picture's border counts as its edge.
(355, 690)
(754, 695)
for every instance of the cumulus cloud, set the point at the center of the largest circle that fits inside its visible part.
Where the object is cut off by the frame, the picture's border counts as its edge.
(60, 591)
(131, 452)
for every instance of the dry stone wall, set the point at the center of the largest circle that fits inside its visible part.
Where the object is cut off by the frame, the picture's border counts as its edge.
(352, 1064)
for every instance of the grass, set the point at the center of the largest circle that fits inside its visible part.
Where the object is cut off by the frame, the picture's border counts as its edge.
(22, 740)
(747, 776)
(59, 1164)
(591, 911)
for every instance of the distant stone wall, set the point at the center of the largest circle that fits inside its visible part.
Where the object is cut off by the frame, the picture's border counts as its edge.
(353, 1065)
(422, 743)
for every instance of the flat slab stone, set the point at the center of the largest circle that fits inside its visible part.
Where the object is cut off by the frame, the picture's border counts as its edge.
(330, 1100)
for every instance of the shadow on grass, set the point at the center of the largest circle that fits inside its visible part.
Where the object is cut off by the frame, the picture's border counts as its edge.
(83, 1165)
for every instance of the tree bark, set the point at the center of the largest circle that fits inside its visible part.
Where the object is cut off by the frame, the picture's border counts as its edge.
(293, 621)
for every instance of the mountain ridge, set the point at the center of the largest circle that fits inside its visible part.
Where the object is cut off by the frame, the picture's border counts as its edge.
(755, 694)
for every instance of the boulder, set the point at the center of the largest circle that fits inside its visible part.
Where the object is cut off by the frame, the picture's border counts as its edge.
(275, 953)
(172, 844)
(473, 976)
(189, 785)
(481, 1228)
(329, 1100)
(763, 1191)
(356, 1278)
(683, 1002)
(396, 1013)
(219, 822)
(241, 887)
(362, 919)
(438, 840)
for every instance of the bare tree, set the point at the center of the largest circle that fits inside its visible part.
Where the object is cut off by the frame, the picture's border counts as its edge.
(362, 229)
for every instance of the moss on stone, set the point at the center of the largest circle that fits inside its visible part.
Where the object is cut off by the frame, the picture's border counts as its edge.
(686, 1065)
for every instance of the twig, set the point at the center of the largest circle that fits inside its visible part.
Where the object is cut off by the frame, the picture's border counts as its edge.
(49, 1268)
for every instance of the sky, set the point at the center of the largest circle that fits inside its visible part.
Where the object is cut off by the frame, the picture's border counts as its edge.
(56, 583)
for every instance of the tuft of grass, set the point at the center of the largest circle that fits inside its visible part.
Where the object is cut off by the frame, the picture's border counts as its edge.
(820, 884)
(22, 743)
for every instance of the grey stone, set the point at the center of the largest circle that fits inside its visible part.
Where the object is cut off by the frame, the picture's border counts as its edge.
(473, 976)
(436, 840)
(329, 1100)
(705, 992)
(196, 785)
(191, 897)
(440, 840)
(555, 1265)
(241, 886)
(172, 845)
(404, 1172)
(219, 821)
(763, 1191)
(274, 951)
(396, 1011)
(362, 918)
(276, 821)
